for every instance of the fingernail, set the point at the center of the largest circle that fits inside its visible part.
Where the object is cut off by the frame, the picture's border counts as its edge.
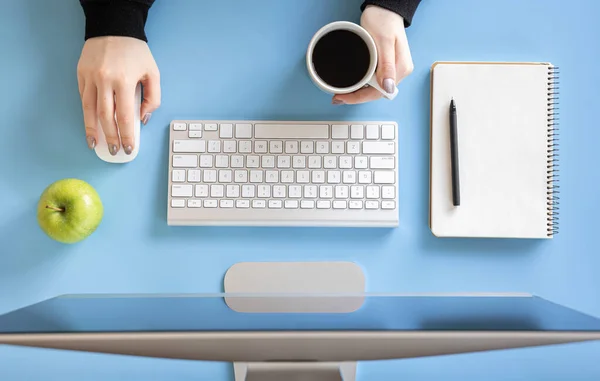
(91, 141)
(388, 85)
(128, 150)
(337, 102)
(112, 148)
(146, 118)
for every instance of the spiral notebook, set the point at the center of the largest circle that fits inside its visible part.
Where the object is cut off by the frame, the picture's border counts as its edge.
(506, 145)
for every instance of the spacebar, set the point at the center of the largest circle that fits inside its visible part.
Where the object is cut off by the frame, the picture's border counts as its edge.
(291, 131)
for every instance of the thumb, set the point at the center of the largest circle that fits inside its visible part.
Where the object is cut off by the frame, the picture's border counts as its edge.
(151, 101)
(386, 67)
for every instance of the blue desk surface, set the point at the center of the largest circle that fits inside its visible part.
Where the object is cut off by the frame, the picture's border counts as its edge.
(239, 59)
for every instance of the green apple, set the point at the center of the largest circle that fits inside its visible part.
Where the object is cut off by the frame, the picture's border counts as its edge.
(69, 210)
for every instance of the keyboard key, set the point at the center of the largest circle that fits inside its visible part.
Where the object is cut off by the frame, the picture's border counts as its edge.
(245, 146)
(178, 203)
(195, 134)
(337, 147)
(178, 176)
(299, 162)
(276, 146)
(226, 131)
(307, 204)
(295, 191)
(206, 161)
(388, 191)
(264, 191)
(194, 203)
(382, 162)
(210, 176)
(291, 131)
(360, 162)
(355, 204)
(326, 191)
(256, 176)
(353, 147)
(179, 126)
(372, 131)
(345, 162)
(253, 161)
(387, 132)
(291, 147)
(371, 204)
(388, 204)
(217, 190)
(373, 191)
(241, 176)
(384, 177)
(279, 191)
(221, 161)
(214, 146)
(310, 191)
(323, 204)
(225, 175)
(339, 204)
(193, 176)
(268, 161)
(322, 147)
(260, 146)
(284, 161)
(195, 127)
(201, 191)
(291, 204)
(364, 177)
(275, 204)
(349, 177)
(339, 131)
(259, 204)
(226, 203)
(378, 147)
(357, 131)
(306, 146)
(334, 177)
(330, 162)
(357, 191)
(303, 177)
(237, 161)
(242, 204)
(180, 190)
(210, 203)
(318, 177)
(314, 162)
(272, 176)
(185, 161)
(287, 177)
(248, 191)
(229, 146)
(210, 127)
(243, 131)
(341, 191)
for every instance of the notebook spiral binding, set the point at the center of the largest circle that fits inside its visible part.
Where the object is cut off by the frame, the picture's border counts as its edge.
(552, 152)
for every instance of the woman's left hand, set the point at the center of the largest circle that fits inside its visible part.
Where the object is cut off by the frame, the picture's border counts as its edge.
(394, 58)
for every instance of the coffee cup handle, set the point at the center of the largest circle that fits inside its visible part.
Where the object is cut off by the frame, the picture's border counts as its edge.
(373, 83)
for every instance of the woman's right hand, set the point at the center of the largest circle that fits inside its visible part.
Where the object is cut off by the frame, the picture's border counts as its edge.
(108, 72)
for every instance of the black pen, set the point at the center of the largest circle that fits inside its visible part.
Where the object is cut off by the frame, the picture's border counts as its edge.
(454, 155)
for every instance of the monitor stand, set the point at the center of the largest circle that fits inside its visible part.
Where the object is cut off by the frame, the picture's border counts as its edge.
(294, 278)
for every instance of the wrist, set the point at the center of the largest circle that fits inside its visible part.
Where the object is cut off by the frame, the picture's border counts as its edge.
(115, 18)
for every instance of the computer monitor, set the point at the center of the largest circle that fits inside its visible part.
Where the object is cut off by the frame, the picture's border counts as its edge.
(274, 345)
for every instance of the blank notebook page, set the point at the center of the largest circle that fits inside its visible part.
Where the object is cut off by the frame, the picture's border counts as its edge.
(502, 119)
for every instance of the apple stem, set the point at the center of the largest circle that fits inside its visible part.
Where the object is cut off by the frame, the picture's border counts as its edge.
(56, 209)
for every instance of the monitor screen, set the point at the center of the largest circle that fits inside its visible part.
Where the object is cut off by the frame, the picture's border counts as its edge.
(160, 313)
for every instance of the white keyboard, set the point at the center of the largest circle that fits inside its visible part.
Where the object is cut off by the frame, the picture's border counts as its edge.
(283, 173)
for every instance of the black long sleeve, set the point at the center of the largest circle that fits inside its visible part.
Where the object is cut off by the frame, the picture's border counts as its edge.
(128, 17)
(116, 17)
(405, 8)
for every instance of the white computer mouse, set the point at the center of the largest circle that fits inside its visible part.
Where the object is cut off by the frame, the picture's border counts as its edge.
(121, 157)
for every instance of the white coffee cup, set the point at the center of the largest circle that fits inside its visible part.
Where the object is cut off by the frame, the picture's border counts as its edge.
(370, 77)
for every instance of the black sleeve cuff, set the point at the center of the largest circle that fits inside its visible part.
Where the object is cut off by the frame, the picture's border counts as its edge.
(405, 8)
(116, 18)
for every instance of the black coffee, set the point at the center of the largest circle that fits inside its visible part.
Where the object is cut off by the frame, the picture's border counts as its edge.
(341, 58)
